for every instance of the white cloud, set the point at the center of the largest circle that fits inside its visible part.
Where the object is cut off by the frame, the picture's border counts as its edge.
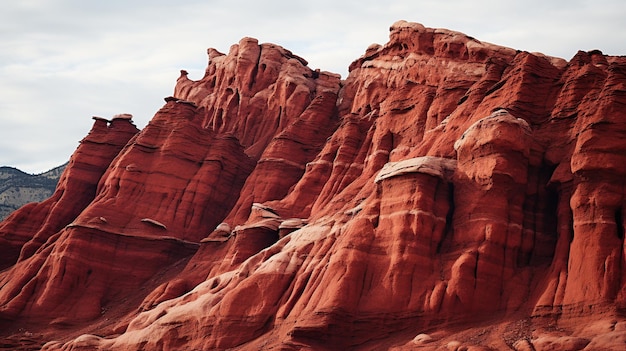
(62, 61)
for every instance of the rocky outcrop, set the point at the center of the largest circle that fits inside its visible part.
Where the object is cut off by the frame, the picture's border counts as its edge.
(449, 193)
(28, 228)
(169, 186)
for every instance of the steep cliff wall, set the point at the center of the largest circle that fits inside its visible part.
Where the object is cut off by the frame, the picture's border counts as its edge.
(449, 193)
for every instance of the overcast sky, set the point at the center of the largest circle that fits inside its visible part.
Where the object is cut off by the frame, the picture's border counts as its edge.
(63, 61)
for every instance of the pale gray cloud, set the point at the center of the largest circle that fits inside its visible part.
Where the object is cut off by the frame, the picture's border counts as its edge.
(62, 61)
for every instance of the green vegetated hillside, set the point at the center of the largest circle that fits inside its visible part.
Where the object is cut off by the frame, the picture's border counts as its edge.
(18, 188)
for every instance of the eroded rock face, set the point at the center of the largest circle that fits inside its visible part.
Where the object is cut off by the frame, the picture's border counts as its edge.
(449, 193)
(29, 227)
(167, 188)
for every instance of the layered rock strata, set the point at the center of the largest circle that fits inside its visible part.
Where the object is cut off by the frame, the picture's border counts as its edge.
(449, 193)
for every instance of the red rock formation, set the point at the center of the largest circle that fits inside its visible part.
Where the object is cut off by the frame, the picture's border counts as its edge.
(34, 223)
(449, 193)
(172, 184)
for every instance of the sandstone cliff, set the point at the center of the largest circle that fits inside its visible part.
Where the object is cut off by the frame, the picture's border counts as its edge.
(449, 193)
